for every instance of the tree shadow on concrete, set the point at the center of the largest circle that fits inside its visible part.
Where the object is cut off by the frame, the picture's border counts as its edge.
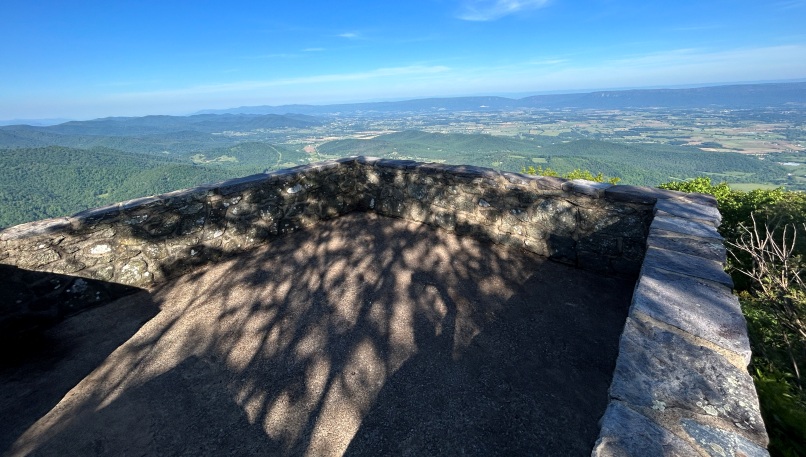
(45, 353)
(366, 335)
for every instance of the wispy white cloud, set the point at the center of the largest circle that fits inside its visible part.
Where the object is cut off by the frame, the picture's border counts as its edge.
(535, 74)
(490, 10)
(349, 35)
(313, 49)
(411, 71)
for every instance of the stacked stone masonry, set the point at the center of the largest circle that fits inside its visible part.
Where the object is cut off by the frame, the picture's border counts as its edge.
(680, 386)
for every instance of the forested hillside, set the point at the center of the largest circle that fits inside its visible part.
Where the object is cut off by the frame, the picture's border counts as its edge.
(55, 181)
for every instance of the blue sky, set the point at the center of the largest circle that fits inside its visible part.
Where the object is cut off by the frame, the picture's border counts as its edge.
(87, 59)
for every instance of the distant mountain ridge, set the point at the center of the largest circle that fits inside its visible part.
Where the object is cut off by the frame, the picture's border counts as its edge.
(729, 97)
(158, 124)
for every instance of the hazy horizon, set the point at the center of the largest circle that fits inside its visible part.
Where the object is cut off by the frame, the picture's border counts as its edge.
(101, 59)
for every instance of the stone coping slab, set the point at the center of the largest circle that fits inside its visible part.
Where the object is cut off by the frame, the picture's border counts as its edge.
(686, 264)
(681, 382)
(681, 385)
(707, 248)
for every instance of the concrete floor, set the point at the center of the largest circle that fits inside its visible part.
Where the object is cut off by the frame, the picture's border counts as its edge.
(363, 336)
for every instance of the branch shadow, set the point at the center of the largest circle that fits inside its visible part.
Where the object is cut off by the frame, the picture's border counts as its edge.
(365, 335)
(54, 332)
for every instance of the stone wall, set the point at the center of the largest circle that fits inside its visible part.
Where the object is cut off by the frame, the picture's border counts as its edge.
(680, 387)
(145, 241)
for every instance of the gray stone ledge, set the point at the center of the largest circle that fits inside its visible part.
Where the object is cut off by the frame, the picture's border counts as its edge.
(349, 160)
(692, 211)
(627, 433)
(326, 165)
(143, 202)
(632, 194)
(35, 228)
(707, 248)
(547, 182)
(685, 227)
(699, 199)
(97, 214)
(367, 160)
(584, 187)
(470, 171)
(433, 168)
(686, 264)
(396, 164)
(515, 178)
(720, 442)
(660, 370)
(700, 307)
(283, 174)
(240, 184)
(193, 192)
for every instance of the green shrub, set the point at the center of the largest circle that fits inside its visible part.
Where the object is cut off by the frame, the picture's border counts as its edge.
(576, 174)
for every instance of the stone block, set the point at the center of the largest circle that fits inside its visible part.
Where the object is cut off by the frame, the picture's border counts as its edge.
(688, 210)
(555, 214)
(515, 178)
(700, 307)
(325, 165)
(692, 197)
(547, 182)
(238, 185)
(394, 164)
(94, 215)
(143, 203)
(601, 244)
(600, 220)
(635, 194)
(662, 370)
(718, 442)
(562, 248)
(432, 169)
(686, 264)
(685, 227)
(35, 229)
(470, 171)
(585, 187)
(626, 433)
(707, 248)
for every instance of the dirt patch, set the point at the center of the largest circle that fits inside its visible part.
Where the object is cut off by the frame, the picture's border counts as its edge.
(363, 336)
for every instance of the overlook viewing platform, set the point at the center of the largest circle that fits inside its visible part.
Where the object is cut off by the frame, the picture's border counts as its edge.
(365, 336)
(376, 307)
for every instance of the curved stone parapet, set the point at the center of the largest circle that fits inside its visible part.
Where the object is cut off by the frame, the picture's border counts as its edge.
(680, 386)
(144, 241)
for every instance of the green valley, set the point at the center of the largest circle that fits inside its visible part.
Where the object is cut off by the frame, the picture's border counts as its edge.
(750, 136)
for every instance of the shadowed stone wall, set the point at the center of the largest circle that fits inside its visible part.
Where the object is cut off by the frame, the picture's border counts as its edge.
(145, 241)
(680, 386)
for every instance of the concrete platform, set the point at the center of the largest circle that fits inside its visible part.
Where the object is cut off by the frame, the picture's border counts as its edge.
(362, 336)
